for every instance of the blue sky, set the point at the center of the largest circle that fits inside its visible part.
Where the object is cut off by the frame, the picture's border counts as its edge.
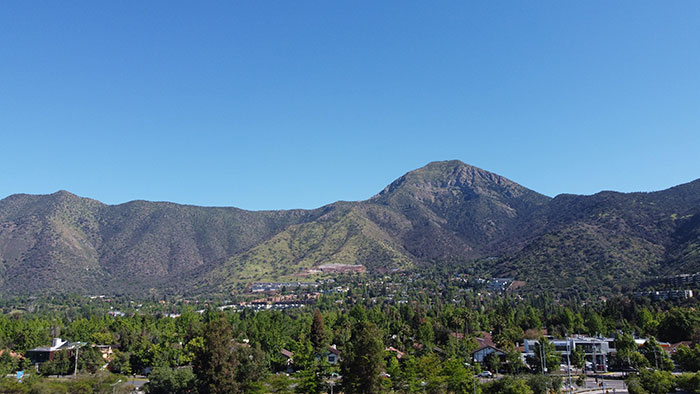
(296, 104)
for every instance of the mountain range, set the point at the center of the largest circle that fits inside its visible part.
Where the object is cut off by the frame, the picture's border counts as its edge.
(444, 212)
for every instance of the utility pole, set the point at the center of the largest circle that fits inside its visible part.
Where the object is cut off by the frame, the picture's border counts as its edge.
(656, 361)
(77, 347)
(568, 363)
(543, 362)
(75, 370)
(595, 360)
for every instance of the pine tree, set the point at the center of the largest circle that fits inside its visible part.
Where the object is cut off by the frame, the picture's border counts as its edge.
(215, 364)
(318, 332)
(363, 360)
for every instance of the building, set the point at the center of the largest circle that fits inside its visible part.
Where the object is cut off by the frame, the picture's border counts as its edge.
(486, 347)
(272, 287)
(480, 354)
(331, 355)
(107, 351)
(499, 284)
(682, 280)
(399, 353)
(665, 294)
(596, 350)
(288, 359)
(39, 355)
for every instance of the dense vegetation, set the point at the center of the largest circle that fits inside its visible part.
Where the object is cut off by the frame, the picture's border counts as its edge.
(213, 352)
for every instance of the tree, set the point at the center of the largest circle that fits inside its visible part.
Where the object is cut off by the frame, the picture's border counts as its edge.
(625, 345)
(680, 324)
(543, 384)
(688, 358)
(508, 385)
(514, 363)
(409, 380)
(164, 380)
(8, 364)
(647, 323)
(546, 349)
(215, 364)
(656, 355)
(318, 335)
(577, 358)
(634, 385)
(458, 378)
(689, 382)
(281, 384)
(312, 369)
(62, 364)
(492, 362)
(638, 361)
(120, 363)
(430, 372)
(594, 323)
(90, 359)
(656, 382)
(362, 360)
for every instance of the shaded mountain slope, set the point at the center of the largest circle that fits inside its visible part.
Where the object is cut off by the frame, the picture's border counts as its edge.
(450, 208)
(610, 240)
(62, 242)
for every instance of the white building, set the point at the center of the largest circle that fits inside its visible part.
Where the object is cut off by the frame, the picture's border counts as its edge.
(595, 350)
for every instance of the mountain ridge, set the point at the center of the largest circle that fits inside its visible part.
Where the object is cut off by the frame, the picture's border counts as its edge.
(445, 210)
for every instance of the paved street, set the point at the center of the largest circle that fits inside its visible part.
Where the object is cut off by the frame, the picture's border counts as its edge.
(611, 386)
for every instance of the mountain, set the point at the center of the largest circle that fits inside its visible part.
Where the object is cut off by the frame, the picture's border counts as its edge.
(610, 240)
(450, 208)
(62, 242)
(442, 212)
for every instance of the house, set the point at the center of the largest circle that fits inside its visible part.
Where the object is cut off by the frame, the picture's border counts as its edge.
(107, 351)
(485, 339)
(480, 354)
(42, 354)
(399, 353)
(288, 359)
(332, 355)
(673, 349)
(288, 356)
(12, 354)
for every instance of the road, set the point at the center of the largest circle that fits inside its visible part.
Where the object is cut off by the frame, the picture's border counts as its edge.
(137, 382)
(611, 386)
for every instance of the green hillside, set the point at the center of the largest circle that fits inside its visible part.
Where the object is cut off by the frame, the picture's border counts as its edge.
(345, 237)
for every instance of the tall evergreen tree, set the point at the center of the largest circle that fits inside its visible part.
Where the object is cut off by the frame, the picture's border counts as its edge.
(363, 360)
(318, 332)
(215, 364)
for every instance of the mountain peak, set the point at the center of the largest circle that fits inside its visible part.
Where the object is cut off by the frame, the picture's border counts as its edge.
(63, 194)
(454, 174)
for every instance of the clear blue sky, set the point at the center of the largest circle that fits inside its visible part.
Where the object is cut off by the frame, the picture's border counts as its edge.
(296, 104)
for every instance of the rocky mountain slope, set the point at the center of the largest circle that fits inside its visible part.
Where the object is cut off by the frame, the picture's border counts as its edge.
(445, 210)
